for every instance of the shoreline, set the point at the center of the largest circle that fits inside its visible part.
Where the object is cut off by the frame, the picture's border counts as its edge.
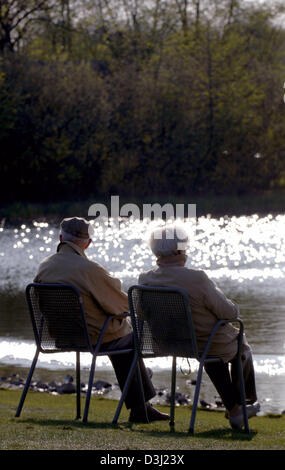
(100, 387)
(104, 388)
(61, 382)
(263, 203)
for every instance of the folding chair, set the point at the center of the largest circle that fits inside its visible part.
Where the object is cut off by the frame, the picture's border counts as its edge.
(59, 325)
(163, 326)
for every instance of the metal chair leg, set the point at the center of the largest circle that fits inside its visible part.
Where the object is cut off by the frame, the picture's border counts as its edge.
(90, 383)
(125, 389)
(173, 390)
(138, 372)
(196, 397)
(242, 395)
(78, 386)
(27, 384)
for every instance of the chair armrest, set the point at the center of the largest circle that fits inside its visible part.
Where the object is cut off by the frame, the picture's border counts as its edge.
(241, 332)
(215, 328)
(110, 317)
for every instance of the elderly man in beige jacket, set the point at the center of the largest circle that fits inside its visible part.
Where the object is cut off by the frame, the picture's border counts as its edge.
(101, 294)
(208, 305)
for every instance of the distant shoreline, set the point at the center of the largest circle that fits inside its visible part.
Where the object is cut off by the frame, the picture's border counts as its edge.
(62, 383)
(262, 203)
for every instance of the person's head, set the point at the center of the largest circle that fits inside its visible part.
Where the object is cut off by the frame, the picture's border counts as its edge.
(168, 241)
(76, 230)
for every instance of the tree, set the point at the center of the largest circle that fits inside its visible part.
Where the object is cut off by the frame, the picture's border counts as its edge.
(142, 98)
(16, 16)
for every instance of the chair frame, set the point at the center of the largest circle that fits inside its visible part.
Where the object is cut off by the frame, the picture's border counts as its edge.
(201, 358)
(95, 351)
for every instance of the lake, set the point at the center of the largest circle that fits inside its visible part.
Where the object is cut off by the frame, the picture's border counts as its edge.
(244, 255)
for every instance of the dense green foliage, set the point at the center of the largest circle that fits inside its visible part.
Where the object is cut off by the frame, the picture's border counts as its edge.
(140, 98)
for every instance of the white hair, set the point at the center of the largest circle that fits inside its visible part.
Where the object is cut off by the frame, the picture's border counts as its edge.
(68, 237)
(165, 241)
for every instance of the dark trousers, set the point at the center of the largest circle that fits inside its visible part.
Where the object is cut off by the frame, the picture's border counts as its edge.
(122, 364)
(226, 379)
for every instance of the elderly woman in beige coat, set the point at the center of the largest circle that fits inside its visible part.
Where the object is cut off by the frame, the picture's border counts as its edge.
(208, 305)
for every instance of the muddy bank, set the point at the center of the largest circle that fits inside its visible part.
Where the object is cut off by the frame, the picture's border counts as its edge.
(99, 387)
(109, 390)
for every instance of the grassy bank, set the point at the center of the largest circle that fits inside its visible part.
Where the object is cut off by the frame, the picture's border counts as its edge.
(47, 423)
(263, 202)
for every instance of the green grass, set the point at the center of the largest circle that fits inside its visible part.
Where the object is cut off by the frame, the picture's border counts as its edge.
(47, 423)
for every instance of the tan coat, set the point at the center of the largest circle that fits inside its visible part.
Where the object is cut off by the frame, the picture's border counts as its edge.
(208, 305)
(70, 265)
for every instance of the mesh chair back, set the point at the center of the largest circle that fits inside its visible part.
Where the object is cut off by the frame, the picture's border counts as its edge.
(58, 318)
(162, 321)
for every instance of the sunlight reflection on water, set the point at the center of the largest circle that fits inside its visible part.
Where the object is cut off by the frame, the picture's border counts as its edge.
(22, 353)
(244, 255)
(242, 248)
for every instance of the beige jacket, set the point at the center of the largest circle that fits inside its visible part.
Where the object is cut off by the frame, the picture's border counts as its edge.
(208, 305)
(71, 265)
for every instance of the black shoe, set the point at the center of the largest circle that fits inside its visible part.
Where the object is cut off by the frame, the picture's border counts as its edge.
(155, 415)
(138, 415)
